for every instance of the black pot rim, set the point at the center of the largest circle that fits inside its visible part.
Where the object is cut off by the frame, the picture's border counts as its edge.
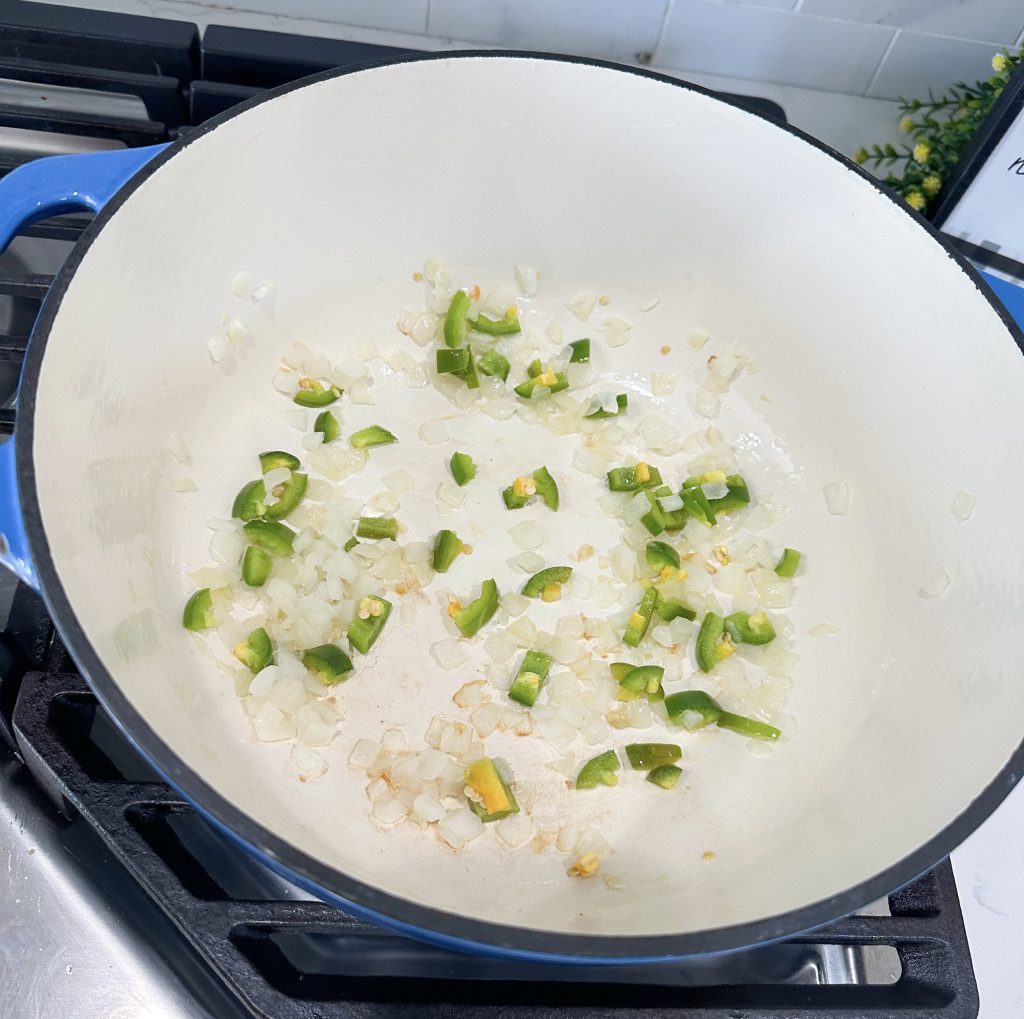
(332, 885)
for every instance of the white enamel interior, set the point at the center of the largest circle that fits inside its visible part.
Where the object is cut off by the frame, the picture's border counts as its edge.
(885, 365)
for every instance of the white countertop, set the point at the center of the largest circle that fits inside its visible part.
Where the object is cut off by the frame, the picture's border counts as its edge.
(989, 869)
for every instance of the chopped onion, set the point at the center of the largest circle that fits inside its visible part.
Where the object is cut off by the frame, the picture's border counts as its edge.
(486, 717)
(823, 630)
(581, 304)
(963, 505)
(298, 419)
(616, 330)
(306, 762)
(271, 724)
(649, 303)
(936, 585)
(528, 562)
(459, 827)
(433, 432)
(697, 339)
(664, 383)
(400, 481)
(527, 535)
(705, 402)
(389, 810)
(218, 347)
(427, 808)
(241, 282)
(359, 393)
(237, 331)
(526, 280)
(670, 503)
(177, 448)
(263, 291)
(591, 462)
(450, 495)
(449, 654)
(837, 497)
(436, 271)
(514, 830)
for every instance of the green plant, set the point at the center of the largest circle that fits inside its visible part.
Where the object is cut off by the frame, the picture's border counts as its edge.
(940, 128)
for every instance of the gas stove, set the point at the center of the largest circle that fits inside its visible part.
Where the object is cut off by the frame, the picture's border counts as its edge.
(117, 898)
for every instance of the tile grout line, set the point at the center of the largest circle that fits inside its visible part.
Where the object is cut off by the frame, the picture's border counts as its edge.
(881, 64)
(661, 30)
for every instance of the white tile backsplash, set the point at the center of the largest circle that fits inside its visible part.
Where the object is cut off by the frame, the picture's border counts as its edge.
(770, 45)
(918, 62)
(999, 21)
(597, 28)
(390, 15)
(878, 48)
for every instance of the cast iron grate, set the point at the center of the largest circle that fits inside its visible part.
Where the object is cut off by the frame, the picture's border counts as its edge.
(286, 955)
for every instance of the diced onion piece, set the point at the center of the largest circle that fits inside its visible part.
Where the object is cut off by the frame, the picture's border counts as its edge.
(400, 481)
(527, 535)
(306, 762)
(529, 562)
(218, 347)
(434, 432)
(177, 448)
(823, 630)
(670, 503)
(263, 291)
(460, 826)
(936, 585)
(705, 402)
(389, 810)
(514, 830)
(963, 505)
(238, 331)
(616, 330)
(837, 497)
(526, 280)
(241, 282)
(183, 485)
(450, 495)
(664, 383)
(427, 808)
(581, 304)
(649, 303)
(591, 462)
(436, 271)
(697, 339)
(554, 332)
(449, 654)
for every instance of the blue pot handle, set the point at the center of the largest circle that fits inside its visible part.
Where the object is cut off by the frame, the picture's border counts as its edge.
(35, 191)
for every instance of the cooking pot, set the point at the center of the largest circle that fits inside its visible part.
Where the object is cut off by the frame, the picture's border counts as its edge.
(884, 362)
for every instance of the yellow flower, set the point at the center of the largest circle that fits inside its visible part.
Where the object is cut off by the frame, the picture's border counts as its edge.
(915, 200)
(931, 185)
(906, 125)
(860, 155)
(1000, 63)
(922, 150)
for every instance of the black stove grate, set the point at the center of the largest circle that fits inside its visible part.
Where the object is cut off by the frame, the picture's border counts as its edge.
(285, 955)
(281, 953)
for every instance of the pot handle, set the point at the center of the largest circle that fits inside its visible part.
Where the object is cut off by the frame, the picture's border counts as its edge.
(35, 191)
